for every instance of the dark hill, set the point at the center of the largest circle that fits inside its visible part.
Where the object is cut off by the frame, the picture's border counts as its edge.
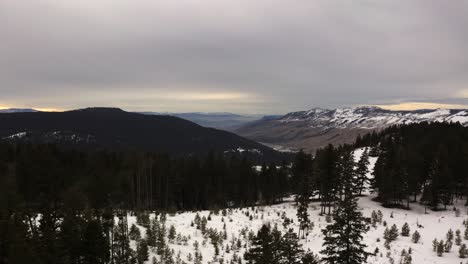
(113, 128)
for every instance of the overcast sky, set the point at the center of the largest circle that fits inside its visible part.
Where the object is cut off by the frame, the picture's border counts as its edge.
(245, 56)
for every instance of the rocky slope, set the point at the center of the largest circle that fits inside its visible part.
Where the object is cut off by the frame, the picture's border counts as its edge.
(318, 127)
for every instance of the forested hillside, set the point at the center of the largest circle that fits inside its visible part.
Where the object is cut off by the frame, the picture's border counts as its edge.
(428, 160)
(117, 130)
(57, 205)
(40, 175)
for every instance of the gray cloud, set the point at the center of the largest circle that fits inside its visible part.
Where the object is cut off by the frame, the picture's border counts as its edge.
(243, 56)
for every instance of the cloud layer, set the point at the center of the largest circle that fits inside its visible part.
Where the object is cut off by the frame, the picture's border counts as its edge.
(262, 56)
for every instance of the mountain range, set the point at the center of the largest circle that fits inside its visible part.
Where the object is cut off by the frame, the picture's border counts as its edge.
(194, 132)
(318, 127)
(224, 121)
(113, 128)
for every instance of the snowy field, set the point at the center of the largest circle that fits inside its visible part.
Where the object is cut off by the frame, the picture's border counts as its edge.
(239, 222)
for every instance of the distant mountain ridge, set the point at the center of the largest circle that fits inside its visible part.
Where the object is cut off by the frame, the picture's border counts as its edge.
(224, 121)
(318, 127)
(113, 128)
(18, 110)
(370, 117)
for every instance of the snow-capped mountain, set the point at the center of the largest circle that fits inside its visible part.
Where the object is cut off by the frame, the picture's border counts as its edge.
(318, 127)
(370, 117)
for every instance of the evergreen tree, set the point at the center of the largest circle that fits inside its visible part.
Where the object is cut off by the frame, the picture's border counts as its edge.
(393, 233)
(143, 219)
(123, 254)
(95, 248)
(291, 251)
(151, 234)
(71, 237)
(435, 244)
(448, 246)
(416, 237)
(134, 233)
(310, 258)
(458, 239)
(449, 235)
(262, 248)
(303, 215)
(405, 230)
(160, 237)
(343, 238)
(362, 170)
(327, 177)
(440, 248)
(463, 251)
(172, 233)
(142, 251)
(270, 246)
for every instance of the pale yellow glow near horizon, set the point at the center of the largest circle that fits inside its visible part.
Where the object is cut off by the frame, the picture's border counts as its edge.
(49, 109)
(410, 106)
(35, 108)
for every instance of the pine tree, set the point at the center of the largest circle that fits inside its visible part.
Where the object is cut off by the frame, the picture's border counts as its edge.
(362, 170)
(172, 233)
(122, 252)
(95, 248)
(310, 258)
(343, 238)
(143, 219)
(458, 239)
(262, 248)
(405, 230)
(407, 259)
(393, 234)
(449, 235)
(374, 219)
(134, 233)
(142, 251)
(302, 214)
(448, 246)
(160, 237)
(463, 251)
(440, 248)
(150, 235)
(270, 246)
(380, 216)
(290, 249)
(326, 174)
(416, 236)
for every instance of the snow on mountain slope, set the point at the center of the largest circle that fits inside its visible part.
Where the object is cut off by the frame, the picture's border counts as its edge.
(369, 117)
(239, 222)
(317, 127)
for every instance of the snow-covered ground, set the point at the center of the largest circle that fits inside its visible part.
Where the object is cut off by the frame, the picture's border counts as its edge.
(432, 225)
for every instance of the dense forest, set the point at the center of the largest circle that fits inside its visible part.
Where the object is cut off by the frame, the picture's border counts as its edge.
(76, 194)
(34, 176)
(420, 160)
(424, 163)
(59, 206)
